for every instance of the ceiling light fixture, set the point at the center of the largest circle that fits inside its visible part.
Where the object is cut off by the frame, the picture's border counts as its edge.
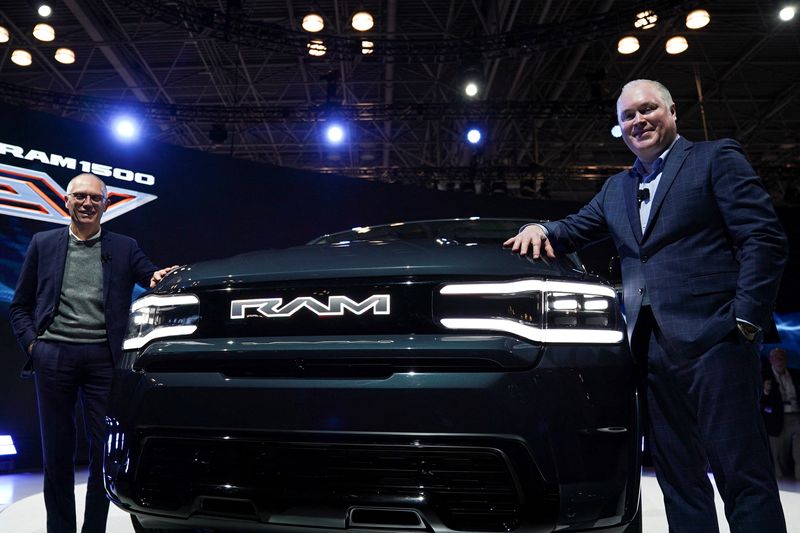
(44, 10)
(362, 21)
(699, 18)
(787, 13)
(316, 48)
(628, 45)
(4, 35)
(313, 23)
(44, 32)
(616, 131)
(367, 47)
(21, 58)
(677, 45)
(645, 20)
(65, 56)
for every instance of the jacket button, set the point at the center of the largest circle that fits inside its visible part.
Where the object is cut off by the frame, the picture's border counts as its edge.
(644, 259)
(641, 290)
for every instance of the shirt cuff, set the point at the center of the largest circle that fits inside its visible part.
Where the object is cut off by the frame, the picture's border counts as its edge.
(743, 321)
(546, 233)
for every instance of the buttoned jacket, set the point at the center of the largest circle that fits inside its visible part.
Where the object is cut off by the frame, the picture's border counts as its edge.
(712, 251)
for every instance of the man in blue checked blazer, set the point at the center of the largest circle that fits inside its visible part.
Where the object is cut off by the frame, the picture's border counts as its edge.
(702, 255)
(69, 314)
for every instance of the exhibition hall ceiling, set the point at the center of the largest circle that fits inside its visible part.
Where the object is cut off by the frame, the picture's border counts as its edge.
(236, 77)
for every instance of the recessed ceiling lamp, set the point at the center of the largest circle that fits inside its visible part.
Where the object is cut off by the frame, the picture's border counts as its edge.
(313, 23)
(787, 13)
(362, 21)
(628, 45)
(699, 18)
(21, 58)
(677, 45)
(4, 35)
(645, 20)
(44, 10)
(44, 32)
(65, 56)
(367, 47)
(316, 48)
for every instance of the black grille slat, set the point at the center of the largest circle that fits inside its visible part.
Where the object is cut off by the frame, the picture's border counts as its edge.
(467, 487)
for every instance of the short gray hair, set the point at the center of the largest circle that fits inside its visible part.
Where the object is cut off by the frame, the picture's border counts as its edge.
(666, 97)
(87, 175)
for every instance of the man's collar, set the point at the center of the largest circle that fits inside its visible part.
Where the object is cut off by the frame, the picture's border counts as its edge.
(93, 238)
(638, 170)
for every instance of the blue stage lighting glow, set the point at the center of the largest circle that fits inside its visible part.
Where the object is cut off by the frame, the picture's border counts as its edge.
(474, 135)
(335, 133)
(788, 325)
(7, 445)
(125, 128)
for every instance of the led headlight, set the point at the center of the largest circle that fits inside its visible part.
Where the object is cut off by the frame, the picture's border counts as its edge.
(154, 317)
(538, 310)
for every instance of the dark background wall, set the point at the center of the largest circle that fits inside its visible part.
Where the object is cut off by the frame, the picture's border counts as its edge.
(211, 206)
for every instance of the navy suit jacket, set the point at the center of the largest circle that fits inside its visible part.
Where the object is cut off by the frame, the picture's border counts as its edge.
(713, 249)
(38, 290)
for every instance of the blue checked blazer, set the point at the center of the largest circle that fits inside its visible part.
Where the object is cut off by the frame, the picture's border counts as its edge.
(713, 249)
(38, 292)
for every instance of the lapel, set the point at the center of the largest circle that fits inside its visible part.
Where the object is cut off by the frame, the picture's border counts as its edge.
(675, 160)
(60, 260)
(105, 261)
(631, 186)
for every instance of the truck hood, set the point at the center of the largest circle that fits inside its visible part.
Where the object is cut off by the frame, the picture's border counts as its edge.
(367, 259)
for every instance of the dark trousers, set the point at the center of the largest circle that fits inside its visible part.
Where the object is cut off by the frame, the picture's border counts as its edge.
(65, 373)
(704, 411)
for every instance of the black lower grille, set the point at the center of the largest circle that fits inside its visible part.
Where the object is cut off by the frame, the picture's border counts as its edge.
(466, 487)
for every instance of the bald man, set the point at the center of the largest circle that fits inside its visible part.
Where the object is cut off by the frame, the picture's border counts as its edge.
(69, 314)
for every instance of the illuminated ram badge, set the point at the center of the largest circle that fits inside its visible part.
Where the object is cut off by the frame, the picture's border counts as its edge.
(336, 306)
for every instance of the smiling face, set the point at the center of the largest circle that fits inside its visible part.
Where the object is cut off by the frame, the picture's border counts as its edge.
(86, 202)
(647, 119)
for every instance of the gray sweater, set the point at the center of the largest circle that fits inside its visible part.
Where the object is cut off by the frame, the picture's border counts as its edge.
(80, 317)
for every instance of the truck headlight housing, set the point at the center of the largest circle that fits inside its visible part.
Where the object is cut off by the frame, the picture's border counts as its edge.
(538, 310)
(154, 317)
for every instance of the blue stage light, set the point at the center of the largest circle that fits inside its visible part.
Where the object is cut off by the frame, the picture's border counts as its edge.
(334, 133)
(125, 128)
(7, 445)
(474, 135)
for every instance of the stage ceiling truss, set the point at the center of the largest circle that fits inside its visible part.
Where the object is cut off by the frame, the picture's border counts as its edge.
(234, 77)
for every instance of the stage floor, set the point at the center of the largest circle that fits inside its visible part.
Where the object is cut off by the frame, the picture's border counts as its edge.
(22, 505)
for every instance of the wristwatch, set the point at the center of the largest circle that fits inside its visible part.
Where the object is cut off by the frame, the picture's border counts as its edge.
(749, 331)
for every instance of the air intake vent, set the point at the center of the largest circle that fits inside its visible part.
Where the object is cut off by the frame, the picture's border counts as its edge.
(388, 518)
(466, 487)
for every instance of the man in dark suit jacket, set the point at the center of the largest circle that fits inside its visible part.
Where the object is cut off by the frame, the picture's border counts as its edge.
(781, 409)
(69, 314)
(702, 254)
